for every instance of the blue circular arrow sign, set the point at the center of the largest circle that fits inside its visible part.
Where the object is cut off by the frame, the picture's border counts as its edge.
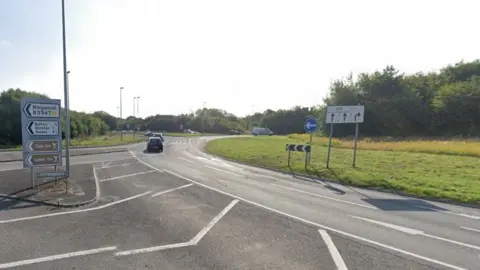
(310, 125)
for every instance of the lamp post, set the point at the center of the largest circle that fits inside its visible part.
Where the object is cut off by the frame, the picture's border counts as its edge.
(121, 128)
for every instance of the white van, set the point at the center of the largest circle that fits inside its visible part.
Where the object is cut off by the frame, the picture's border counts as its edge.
(261, 131)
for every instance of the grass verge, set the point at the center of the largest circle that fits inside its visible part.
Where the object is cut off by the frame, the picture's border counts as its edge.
(108, 140)
(421, 174)
(453, 147)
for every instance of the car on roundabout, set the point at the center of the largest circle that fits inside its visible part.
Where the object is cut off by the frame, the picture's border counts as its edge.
(155, 144)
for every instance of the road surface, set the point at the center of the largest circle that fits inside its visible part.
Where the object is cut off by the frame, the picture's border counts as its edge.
(183, 209)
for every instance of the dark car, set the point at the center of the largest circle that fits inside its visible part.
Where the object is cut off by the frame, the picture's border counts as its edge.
(234, 132)
(154, 144)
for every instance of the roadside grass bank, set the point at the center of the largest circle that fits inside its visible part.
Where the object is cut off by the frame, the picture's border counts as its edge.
(451, 147)
(98, 141)
(426, 175)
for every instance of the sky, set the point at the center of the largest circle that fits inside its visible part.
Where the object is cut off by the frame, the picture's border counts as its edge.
(239, 56)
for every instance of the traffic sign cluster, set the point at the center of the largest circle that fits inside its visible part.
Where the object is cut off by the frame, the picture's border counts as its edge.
(298, 147)
(41, 132)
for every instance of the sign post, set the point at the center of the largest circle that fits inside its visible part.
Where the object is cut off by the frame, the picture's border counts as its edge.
(344, 115)
(297, 148)
(41, 133)
(310, 126)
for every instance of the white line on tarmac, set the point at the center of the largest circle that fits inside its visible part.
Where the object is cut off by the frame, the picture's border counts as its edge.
(152, 249)
(186, 160)
(105, 165)
(118, 165)
(325, 197)
(417, 232)
(127, 175)
(212, 223)
(56, 257)
(313, 223)
(217, 169)
(192, 242)
(75, 211)
(470, 229)
(170, 190)
(337, 258)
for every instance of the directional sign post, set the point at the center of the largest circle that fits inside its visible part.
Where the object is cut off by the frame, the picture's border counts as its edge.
(41, 133)
(310, 126)
(344, 115)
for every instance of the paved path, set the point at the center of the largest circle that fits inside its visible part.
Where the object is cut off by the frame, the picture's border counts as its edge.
(183, 209)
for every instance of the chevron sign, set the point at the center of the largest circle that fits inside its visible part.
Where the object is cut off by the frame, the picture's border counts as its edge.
(298, 147)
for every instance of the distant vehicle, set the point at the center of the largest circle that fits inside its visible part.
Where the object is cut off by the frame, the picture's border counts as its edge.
(154, 144)
(234, 132)
(149, 133)
(261, 131)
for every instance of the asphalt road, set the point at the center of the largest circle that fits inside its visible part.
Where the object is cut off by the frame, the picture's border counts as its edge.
(183, 209)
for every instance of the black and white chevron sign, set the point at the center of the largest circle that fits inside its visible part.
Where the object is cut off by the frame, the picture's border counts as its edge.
(298, 147)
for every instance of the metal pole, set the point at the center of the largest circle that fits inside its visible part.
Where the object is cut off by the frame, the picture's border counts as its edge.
(309, 154)
(355, 146)
(138, 110)
(329, 144)
(134, 98)
(32, 174)
(121, 127)
(203, 117)
(289, 155)
(65, 94)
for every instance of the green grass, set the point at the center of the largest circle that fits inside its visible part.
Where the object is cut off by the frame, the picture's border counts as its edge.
(108, 140)
(452, 147)
(422, 174)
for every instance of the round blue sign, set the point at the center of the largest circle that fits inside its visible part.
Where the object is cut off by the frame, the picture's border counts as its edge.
(310, 125)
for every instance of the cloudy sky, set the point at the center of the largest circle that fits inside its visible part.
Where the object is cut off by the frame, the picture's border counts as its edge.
(235, 55)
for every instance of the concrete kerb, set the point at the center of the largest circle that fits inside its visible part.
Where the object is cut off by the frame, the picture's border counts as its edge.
(57, 204)
(313, 179)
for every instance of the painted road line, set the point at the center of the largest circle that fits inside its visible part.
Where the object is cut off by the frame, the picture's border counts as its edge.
(325, 197)
(202, 158)
(212, 223)
(470, 229)
(417, 232)
(152, 249)
(56, 257)
(337, 258)
(187, 160)
(105, 165)
(126, 176)
(411, 254)
(448, 212)
(118, 165)
(220, 170)
(75, 211)
(170, 190)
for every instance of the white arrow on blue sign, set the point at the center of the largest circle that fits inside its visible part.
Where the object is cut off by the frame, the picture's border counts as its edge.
(310, 125)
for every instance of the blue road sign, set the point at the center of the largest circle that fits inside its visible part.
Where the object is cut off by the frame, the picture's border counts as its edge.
(310, 125)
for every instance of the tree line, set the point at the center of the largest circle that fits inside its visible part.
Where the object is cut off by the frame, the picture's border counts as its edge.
(443, 103)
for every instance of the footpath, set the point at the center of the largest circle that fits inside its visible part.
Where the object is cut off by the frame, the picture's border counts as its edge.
(81, 187)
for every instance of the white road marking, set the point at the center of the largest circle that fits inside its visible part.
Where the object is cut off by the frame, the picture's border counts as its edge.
(118, 165)
(126, 175)
(220, 170)
(202, 158)
(192, 242)
(56, 257)
(391, 226)
(190, 142)
(212, 223)
(313, 223)
(448, 212)
(170, 190)
(186, 159)
(417, 232)
(75, 211)
(337, 258)
(97, 183)
(325, 197)
(152, 249)
(105, 165)
(470, 229)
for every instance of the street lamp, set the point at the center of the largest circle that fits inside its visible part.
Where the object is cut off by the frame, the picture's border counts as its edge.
(203, 116)
(138, 106)
(65, 93)
(121, 128)
(134, 98)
